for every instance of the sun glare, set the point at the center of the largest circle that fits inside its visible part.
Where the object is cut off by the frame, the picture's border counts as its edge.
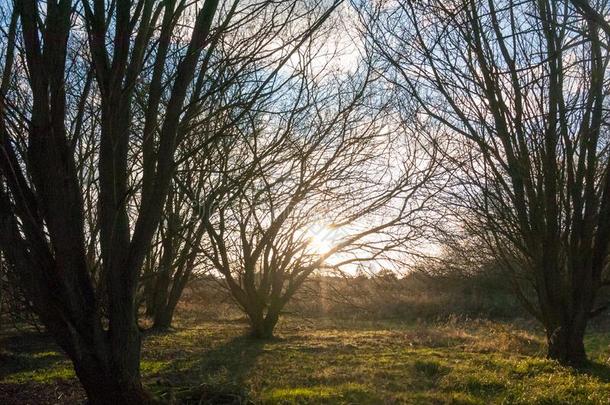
(321, 239)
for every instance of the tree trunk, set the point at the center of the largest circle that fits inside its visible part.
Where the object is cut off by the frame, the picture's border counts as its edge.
(261, 330)
(149, 288)
(109, 374)
(160, 311)
(163, 317)
(566, 344)
(270, 322)
(256, 327)
(166, 299)
(257, 323)
(262, 326)
(110, 388)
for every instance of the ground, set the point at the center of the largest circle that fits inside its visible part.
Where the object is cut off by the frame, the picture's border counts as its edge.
(329, 362)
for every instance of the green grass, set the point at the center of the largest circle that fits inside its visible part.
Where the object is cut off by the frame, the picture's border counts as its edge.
(339, 362)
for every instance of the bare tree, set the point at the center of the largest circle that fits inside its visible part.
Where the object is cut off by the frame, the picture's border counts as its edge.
(592, 13)
(247, 68)
(521, 88)
(312, 179)
(42, 211)
(169, 268)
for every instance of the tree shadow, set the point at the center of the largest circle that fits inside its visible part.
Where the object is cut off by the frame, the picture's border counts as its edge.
(598, 370)
(28, 351)
(27, 342)
(217, 376)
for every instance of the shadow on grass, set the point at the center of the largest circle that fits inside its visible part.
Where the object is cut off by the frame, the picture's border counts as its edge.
(216, 376)
(26, 352)
(597, 370)
(28, 342)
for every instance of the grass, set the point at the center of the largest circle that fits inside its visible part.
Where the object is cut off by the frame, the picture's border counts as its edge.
(339, 362)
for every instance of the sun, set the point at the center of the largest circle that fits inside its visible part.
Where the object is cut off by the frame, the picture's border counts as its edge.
(320, 239)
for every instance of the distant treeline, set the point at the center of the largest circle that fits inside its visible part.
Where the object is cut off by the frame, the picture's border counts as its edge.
(415, 296)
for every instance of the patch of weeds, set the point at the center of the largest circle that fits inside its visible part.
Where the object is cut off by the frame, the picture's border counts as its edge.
(535, 366)
(483, 386)
(43, 375)
(218, 389)
(430, 369)
(438, 398)
(213, 394)
(349, 393)
(153, 367)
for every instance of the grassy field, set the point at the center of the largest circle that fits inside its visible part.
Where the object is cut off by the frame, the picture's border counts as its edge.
(329, 362)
